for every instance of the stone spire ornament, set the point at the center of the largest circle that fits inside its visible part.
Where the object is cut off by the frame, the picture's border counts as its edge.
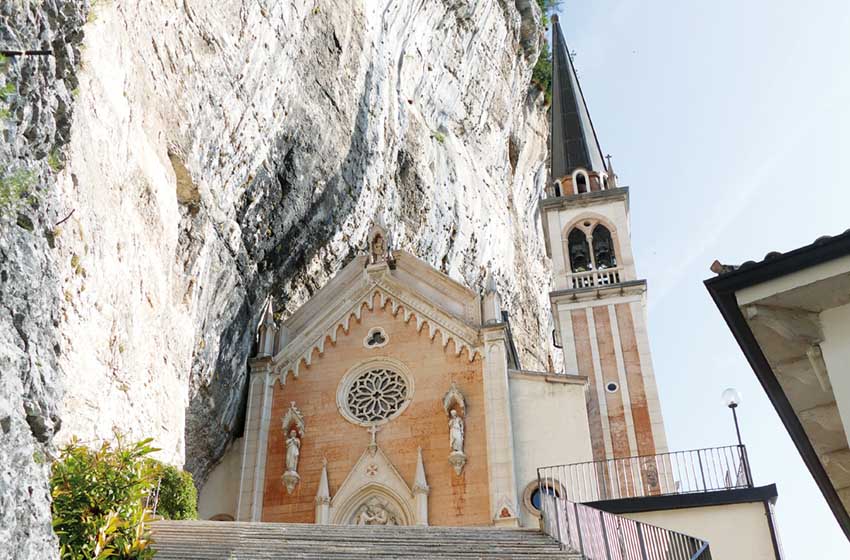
(323, 497)
(612, 175)
(421, 491)
(267, 331)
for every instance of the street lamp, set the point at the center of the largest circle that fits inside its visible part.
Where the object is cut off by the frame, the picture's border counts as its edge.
(732, 398)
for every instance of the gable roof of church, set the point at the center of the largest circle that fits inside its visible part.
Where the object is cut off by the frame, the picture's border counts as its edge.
(573, 139)
(413, 288)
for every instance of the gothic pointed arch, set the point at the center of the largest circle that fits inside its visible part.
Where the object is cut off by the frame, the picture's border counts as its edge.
(374, 500)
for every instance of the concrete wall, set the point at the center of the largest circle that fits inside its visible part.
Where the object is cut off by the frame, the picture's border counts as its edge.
(550, 428)
(836, 354)
(735, 531)
(221, 490)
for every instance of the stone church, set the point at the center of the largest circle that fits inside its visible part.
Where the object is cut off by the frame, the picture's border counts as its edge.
(395, 395)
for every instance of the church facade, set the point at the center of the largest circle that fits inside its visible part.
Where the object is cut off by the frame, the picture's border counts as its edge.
(394, 397)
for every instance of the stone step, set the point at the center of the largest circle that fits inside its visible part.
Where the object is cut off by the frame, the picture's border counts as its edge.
(212, 540)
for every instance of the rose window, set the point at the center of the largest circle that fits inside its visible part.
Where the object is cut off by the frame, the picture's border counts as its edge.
(376, 395)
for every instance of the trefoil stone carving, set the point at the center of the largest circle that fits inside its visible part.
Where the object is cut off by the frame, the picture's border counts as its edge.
(293, 426)
(455, 406)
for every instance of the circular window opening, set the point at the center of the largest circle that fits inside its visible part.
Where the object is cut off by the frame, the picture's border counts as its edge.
(533, 493)
(586, 224)
(612, 387)
(374, 393)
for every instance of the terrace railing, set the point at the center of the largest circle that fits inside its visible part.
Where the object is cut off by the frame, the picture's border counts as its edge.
(599, 535)
(594, 278)
(680, 472)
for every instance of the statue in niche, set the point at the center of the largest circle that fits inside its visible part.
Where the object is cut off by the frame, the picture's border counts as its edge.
(293, 421)
(455, 432)
(378, 249)
(293, 451)
(455, 406)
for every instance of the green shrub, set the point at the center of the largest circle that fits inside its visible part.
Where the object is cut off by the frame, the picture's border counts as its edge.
(13, 186)
(178, 498)
(99, 501)
(542, 73)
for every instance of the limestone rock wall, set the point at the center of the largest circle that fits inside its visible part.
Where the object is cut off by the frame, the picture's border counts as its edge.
(35, 112)
(221, 152)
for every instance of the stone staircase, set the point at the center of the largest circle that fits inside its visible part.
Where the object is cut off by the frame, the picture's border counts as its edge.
(215, 540)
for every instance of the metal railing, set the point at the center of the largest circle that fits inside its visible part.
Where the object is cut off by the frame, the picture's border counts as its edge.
(601, 277)
(680, 472)
(599, 535)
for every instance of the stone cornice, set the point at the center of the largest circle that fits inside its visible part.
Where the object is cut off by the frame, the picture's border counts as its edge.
(632, 287)
(548, 377)
(584, 199)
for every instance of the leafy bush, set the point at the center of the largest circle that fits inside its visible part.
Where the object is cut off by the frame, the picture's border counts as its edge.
(99, 498)
(178, 498)
(542, 73)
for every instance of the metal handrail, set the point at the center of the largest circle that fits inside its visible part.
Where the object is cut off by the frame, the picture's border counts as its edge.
(599, 535)
(662, 474)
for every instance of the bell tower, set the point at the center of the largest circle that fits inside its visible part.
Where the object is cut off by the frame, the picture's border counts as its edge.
(599, 303)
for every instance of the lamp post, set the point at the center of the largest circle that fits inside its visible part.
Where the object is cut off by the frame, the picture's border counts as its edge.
(732, 398)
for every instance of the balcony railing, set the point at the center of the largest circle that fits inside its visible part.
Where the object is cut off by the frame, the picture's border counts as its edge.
(599, 535)
(680, 472)
(594, 278)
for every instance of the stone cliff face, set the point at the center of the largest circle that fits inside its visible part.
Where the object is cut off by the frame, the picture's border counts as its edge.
(217, 155)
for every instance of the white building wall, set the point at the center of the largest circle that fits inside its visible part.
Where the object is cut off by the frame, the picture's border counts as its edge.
(220, 493)
(835, 323)
(550, 427)
(734, 532)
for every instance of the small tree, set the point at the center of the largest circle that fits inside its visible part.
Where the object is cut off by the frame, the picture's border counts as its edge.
(178, 497)
(99, 496)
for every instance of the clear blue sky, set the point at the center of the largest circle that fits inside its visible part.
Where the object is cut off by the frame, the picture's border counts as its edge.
(729, 120)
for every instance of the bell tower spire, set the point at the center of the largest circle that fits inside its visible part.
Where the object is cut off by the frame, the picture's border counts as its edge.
(573, 141)
(598, 301)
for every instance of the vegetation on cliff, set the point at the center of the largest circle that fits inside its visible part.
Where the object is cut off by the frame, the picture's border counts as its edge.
(542, 73)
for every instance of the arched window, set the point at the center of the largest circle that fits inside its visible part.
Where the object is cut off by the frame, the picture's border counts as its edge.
(580, 180)
(579, 251)
(603, 248)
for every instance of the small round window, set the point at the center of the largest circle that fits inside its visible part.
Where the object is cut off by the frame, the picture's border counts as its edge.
(374, 393)
(612, 387)
(533, 494)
